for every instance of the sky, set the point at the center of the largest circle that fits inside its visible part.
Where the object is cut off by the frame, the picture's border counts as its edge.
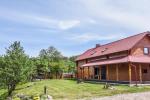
(72, 26)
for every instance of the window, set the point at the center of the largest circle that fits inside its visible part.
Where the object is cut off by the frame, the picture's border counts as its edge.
(146, 50)
(104, 50)
(144, 71)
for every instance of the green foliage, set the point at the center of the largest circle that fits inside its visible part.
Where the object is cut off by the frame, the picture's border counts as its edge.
(70, 66)
(51, 54)
(57, 69)
(1, 72)
(16, 67)
(72, 58)
(53, 63)
(49, 60)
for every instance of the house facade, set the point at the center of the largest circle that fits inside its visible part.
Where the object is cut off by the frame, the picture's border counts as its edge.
(123, 61)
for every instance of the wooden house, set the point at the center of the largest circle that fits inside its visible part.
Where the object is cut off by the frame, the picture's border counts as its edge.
(123, 61)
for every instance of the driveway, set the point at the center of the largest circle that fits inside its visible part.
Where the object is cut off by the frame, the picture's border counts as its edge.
(132, 96)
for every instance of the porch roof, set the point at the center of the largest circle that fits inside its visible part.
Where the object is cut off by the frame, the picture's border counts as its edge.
(133, 59)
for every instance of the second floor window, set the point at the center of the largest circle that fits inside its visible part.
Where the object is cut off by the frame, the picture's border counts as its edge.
(146, 50)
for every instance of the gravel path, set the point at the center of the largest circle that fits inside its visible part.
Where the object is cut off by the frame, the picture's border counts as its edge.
(132, 96)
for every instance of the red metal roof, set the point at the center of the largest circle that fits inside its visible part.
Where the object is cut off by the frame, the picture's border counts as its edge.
(133, 59)
(117, 46)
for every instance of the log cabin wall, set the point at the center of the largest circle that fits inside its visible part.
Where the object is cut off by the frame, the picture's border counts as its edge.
(91, 73)
(145, 68)
(133, 73)
(112, 72)
(138, 48)
(118, 55)
(80, 63)
(106, 57)
(123, 70)
(86, 73)
(145, 72)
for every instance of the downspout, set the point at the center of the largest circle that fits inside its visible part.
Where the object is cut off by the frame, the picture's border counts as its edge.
(129, 53)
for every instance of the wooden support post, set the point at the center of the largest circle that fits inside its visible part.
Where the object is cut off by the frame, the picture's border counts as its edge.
(140, 73)
(77, 74)
(130, 73)
(100, 73)
(107, 73)
(93, 73)
(117, 78)
(88, 72)
(83, 72)
(77, 68)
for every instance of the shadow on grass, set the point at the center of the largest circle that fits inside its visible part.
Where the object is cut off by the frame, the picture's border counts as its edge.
(73, 79)
(24, 87)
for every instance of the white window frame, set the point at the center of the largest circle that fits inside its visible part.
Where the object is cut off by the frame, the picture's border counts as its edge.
(146, 50)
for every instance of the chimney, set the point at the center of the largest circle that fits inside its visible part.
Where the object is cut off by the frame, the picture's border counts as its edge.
(98, 45)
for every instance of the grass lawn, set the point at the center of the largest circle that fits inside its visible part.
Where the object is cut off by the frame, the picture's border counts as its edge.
(70, 90)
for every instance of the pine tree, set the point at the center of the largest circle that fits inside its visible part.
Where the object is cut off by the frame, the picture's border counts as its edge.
(16, 67)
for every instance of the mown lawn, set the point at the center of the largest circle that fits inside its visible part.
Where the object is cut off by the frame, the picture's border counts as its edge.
(70, 90)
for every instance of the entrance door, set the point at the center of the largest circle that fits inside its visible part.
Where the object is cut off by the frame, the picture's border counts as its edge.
(103, 73)
(96, 72)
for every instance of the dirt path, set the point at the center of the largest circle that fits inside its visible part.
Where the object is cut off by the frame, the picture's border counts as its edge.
(132, 96)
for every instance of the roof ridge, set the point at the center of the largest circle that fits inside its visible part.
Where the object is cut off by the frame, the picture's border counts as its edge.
(125, 38)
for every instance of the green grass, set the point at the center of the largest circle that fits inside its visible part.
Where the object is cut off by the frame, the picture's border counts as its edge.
(70, 90)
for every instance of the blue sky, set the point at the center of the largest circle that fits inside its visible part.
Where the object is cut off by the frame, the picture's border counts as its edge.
(72, 26)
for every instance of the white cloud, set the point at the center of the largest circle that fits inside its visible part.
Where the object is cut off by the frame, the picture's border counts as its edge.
(128, 13)
(38, 20)
(87, 37)
(67, 24)
(27, 18)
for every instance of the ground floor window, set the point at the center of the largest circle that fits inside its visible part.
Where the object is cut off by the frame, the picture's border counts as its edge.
(144, 71)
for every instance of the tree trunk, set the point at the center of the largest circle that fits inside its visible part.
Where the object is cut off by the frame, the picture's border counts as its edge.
(56, 75)
(60, 75)
(45, 75)
(11, 88)
(49, 75)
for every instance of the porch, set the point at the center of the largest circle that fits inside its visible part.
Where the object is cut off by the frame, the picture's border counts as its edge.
(121, 72)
